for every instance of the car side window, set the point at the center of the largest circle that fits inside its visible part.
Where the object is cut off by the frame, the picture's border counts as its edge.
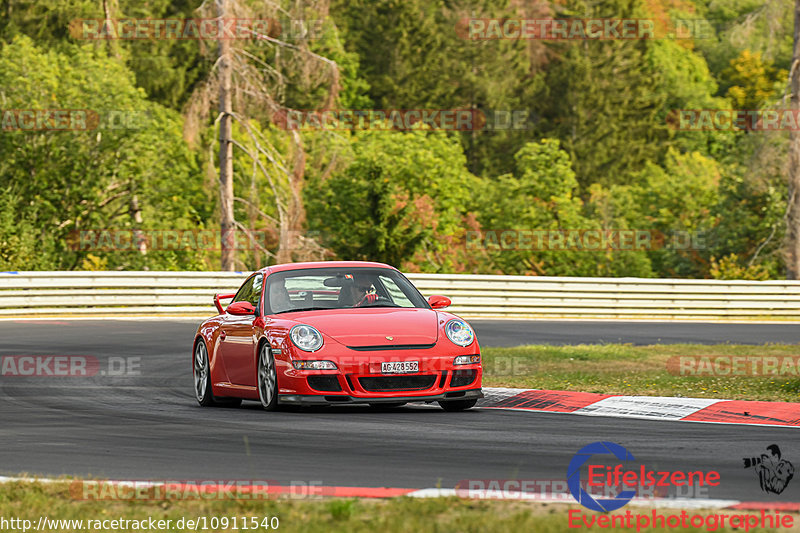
(258, 286)
(251, 290)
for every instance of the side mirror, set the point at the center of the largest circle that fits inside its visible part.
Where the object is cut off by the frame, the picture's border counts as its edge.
(439, 302)
(241, 308)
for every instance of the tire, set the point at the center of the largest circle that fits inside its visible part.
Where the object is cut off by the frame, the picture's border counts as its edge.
(458, 405)
(201, 372)
(202, 381)
(387, 405)
(267, 379)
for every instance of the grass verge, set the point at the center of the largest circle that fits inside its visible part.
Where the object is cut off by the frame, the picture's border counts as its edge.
(30, 501)
(657, 370)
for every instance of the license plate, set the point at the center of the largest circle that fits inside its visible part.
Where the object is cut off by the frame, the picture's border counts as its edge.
(401, 367)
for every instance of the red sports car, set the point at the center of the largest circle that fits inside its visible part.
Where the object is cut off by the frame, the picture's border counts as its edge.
(339, 332)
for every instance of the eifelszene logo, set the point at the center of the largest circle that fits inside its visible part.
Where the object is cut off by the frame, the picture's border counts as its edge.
(574, 476)
(773, 472)
(629, 480)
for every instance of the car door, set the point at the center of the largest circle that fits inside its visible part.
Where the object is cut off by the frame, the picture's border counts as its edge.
(237, 336)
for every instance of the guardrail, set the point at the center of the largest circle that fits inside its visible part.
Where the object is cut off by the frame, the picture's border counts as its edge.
(476, 296)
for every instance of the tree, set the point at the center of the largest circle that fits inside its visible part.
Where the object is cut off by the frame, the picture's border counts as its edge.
(608, 102)
(540, 198)
(117, 175)
(415, 54)
(753, 80)
(400, 199)
(227, 226)
(793, 209)
(678, 201)
(246, 83)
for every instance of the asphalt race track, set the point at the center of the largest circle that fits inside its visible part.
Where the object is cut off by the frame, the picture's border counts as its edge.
(516, 333)
(146, 425)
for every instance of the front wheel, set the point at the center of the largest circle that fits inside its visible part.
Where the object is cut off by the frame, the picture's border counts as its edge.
(458, 405)
(267, 379)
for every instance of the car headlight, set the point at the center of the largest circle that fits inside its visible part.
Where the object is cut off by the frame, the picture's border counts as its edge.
(314, 365)
(307, 338)
(467, 359)
(459, 332)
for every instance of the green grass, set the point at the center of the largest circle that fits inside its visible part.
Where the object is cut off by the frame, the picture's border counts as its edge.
(637, 370)
(446, 515)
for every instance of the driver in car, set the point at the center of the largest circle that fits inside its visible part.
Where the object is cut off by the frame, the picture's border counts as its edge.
(360, 292)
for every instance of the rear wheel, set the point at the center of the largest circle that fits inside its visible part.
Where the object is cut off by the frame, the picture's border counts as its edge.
(267, 379)
(202, 380)
(458, 405)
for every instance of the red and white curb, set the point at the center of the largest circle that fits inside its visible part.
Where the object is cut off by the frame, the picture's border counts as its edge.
(391, 492)
(783, 414)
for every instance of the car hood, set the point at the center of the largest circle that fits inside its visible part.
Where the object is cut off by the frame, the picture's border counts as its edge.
(371, 327)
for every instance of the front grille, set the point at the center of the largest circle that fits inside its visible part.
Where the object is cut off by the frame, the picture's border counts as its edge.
(462, 378)
(324, 383)
(397, 383)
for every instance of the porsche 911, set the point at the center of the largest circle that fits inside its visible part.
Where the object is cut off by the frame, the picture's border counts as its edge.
(335, 333)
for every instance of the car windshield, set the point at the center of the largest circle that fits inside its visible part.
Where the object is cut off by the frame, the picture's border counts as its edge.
(339, 288)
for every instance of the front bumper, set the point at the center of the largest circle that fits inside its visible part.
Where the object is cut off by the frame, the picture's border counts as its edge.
(341, 399)
(359, 377)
